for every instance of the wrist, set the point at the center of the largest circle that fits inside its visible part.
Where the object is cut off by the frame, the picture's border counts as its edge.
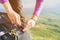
(34, 18)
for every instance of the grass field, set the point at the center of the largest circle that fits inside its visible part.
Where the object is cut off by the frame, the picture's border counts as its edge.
(46, 29)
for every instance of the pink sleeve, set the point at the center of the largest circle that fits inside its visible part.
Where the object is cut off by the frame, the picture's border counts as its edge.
(39, 4)
(3, 1)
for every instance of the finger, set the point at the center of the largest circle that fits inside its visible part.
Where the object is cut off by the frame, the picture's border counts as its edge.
(26, 28)
(18, 20)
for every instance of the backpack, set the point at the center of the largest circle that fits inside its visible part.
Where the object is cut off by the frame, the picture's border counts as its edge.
(5, 24)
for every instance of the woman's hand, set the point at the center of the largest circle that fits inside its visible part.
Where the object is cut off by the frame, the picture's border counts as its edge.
(30, 23)
(17, 18)
(13, 16)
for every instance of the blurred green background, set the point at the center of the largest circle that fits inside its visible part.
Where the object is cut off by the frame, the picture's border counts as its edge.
(46, 28)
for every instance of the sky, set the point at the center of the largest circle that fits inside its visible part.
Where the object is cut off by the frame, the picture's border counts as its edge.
(48, 4)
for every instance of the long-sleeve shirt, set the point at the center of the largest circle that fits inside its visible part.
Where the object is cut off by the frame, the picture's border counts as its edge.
(3, 1)
(38, 7)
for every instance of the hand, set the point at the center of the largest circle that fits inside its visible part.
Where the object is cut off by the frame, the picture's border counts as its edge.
(17, 18)
(14, 18)
(29, 24)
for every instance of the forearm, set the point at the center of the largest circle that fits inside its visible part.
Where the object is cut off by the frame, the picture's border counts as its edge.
(8, 7)
(38, 7)
(9, 11)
